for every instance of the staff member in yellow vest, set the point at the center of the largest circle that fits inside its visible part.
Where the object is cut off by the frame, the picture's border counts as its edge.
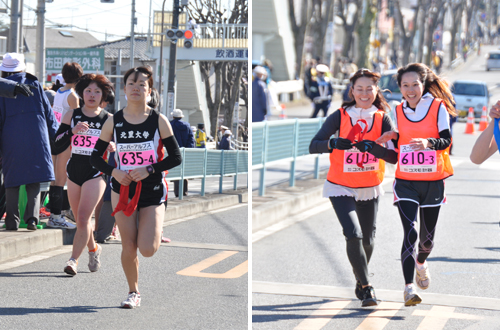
(423, 164)
(354, 179)
(201, 137)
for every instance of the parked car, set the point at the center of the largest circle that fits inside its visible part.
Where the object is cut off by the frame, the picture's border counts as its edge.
(390, 89)
(493, 60)
(470, 93)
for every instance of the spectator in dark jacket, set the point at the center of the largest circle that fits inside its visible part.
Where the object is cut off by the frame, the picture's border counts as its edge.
(185, 138)
(225, 142)
(259, 94)
(26, 127)
(182, 130)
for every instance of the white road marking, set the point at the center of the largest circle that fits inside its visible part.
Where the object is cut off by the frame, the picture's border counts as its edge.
(174, 222)
(309, 290)
(321, 316)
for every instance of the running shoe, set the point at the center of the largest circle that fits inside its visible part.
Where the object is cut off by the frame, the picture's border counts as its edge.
(369, 298)
(359, 290)
(411, 296)
(68, 214)
(60, 223)
(422, 276)
(94, 259)
(71, 267)
(31, 224)
(133, 300)
(44, 213)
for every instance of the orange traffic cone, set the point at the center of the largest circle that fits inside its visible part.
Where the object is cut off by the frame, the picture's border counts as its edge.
(484, 120)
(283, 114)
(469, 127)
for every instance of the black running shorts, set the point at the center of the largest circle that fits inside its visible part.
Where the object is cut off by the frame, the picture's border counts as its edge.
(424, 193)
(80, 171)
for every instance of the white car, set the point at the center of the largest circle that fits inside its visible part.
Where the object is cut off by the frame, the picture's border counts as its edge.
(470, 94)
(493, 60)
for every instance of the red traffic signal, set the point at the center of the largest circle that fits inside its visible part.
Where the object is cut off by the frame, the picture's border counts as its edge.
(188, 34)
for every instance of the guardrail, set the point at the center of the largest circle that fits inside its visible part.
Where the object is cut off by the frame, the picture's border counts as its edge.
(203, 163)
(200, 163)
(285, 140)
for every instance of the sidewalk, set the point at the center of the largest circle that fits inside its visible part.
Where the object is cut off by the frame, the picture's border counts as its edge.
(16, 244)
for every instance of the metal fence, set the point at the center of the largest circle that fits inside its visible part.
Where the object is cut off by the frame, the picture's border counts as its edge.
(204, 163)
(285, 140)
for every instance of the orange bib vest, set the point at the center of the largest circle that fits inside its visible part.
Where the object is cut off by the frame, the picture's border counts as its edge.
(423, 165)
(343, 163)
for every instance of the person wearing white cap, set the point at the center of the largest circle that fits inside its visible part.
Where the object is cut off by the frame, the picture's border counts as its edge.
(26, 127)
(321, 90)
(225, 143)
(65, 100)
(185, 138)
(260, 104)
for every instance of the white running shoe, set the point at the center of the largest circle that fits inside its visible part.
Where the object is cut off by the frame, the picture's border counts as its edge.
(94, 259)
(68, 214)
(411, 296)
(71, 267)
(422, 276)
(133, 300)
(60, 223)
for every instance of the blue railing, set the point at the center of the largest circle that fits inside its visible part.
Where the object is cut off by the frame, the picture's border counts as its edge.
(204, 163)
(284, 140)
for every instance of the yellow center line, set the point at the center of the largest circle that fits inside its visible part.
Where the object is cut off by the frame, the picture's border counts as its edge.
(196, 269)
(320, 317)
(379, 318)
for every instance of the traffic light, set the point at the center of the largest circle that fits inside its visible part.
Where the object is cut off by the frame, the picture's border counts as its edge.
(187, 35)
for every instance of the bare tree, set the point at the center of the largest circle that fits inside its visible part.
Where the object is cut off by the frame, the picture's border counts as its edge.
(435, 16)
(457, 9)
(299, 31)
(364, 31)
(227, 75)
(406, 36)
(350, 20)
(321, 10)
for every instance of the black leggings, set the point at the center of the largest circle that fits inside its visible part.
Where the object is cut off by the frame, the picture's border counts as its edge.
(428, 220)
(358, 219)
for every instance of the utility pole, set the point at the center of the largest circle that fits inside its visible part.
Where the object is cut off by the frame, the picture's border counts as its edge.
(40, 41)
(13, 44)
(118, 86)
(132, 36)
(149, 26)
(172, 60)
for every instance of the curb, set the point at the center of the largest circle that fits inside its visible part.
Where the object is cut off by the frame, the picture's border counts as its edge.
(284, 201)
(22, 243)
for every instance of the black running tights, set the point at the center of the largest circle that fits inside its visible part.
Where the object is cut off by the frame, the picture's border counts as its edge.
(428, 220)
(358, 220)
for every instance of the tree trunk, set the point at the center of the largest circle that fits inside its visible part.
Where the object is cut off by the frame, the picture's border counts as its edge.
(364, 31)
(421, 34)
(299, 32)
(456, 22)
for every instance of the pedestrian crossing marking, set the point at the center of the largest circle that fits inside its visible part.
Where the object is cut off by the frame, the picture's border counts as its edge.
(437, 316)
(379, 318)
(196, 270)
(321, 316)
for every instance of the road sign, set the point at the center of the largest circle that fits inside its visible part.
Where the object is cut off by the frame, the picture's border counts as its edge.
(91, 59)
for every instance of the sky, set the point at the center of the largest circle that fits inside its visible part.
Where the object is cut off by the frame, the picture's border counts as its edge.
(98, 18)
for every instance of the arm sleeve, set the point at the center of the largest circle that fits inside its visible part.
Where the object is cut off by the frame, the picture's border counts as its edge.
(443, 142)
(96, 159)
(319, 144)
(174, 157)
(63, 136)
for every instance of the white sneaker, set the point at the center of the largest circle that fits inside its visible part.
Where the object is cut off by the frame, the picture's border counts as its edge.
(94, 259)
(422, 276)
(411, 296)
(68, 214)
(71, 267)
(133, 300)
(60, 223)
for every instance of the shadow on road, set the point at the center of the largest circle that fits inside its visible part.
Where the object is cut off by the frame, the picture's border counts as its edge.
(310, 306)
(63, 310)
